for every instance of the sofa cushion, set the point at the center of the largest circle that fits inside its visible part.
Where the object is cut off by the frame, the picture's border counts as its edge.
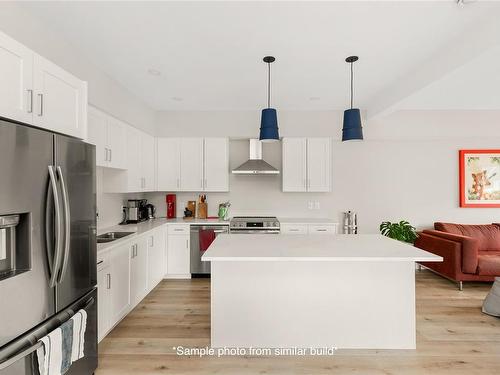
(489, 263)
(488, 234)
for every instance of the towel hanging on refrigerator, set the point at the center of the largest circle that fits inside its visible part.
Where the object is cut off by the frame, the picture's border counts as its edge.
(63, 346)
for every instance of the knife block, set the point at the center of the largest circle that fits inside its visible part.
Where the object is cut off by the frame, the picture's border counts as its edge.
(202, 210)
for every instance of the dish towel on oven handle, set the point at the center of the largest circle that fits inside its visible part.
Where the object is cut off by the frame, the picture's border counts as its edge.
(63, 346)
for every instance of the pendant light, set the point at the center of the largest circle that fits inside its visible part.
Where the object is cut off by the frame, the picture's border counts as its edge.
(352, 129)
(269, 119)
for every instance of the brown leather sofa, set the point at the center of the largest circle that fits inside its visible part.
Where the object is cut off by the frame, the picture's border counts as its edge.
(470, 252)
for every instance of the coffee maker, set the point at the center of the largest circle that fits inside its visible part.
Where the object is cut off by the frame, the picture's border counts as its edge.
(137, 211)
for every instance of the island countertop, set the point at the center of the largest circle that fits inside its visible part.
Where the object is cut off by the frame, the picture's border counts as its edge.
(361, 247)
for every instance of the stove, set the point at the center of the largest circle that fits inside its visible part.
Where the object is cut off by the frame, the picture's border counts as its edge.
(255, 224)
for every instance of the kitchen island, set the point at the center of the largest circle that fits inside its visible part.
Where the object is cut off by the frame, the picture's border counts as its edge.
(284, 291)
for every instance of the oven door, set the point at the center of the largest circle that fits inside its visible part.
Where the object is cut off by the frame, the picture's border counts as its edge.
(255, 231)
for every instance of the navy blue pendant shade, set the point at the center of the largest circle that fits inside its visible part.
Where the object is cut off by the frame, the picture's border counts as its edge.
(269, 126)
(269, 118)
(352, 129)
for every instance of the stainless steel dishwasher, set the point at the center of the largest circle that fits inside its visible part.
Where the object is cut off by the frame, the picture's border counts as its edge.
(201, 237)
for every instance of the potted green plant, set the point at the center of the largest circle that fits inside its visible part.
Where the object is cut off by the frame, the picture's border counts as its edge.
(402, 231)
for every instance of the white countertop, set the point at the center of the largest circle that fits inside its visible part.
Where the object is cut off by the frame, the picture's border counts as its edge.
(292, 220)
(146, 226)
(343, 247)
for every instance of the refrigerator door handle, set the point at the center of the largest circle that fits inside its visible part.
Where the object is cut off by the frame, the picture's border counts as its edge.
(56, 259)
(61, 318)
(67, 224)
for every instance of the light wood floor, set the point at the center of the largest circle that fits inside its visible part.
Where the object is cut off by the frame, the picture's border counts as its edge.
(453, 337)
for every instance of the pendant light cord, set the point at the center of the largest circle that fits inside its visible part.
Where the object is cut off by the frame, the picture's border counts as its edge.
(351, 85)
(268, 85)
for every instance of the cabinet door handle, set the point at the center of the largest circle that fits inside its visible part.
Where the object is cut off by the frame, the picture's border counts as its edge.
(178, 183)
(40, 97)
(201, 183)
(152, 242)
(205, 183)
(109, 281)
(187, 244)
(293, 230)
(30, 101)
(320, 230)
(110, 154)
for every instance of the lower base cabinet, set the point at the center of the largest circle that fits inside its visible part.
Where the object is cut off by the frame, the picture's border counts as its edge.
(178, 255)
(119, 283)
(113, 289)
(138, 270)
(104, 299)
(127, 273)
(156, 257)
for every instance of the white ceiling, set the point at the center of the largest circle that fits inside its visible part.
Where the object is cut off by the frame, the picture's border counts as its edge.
(210, 53)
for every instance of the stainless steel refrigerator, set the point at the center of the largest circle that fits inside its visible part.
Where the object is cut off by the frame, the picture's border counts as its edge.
(47, 243)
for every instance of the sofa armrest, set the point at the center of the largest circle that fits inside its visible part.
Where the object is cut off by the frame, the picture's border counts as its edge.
(469, 248)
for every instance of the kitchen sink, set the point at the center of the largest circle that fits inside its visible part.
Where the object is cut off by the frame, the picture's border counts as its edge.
(111, 236)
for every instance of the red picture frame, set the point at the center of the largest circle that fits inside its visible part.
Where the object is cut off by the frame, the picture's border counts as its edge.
(464, 202)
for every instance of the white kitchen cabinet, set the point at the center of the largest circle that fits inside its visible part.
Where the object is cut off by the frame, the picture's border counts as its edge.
(168, 164)
(35, 91)
(193, 164)
(322, 229)
(104, 298)
(178, 254)
(156, 257)
(294, 229)
(16, 77)
(119, 282)
(134, 165)
(304, 228)
(116, 143)
(109, 137)
(294, 164)
(319, 164)
(191, 156)
(138, 270)
(307, 164)
(97, 135)
(216, 164)
(148, 162)
(60, 99)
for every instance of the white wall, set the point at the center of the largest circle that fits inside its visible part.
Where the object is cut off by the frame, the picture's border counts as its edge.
(407, 167)
(104, 92)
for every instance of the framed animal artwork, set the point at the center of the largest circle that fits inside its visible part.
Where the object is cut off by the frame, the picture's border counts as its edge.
(479, 178)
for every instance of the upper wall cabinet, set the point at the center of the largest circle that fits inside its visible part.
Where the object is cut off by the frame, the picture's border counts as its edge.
(60, 99)
(307, 164)
(168, 164)
(193, 164)
(16, 77)
(216, 166)
(109, 136)
(148, 162)
(37, 92)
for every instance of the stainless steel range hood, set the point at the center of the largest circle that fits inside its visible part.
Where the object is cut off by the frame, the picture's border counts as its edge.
(255, 165)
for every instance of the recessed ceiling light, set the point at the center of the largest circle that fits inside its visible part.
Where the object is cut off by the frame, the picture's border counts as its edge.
(154, 72)
(314, 98)
(177, 99)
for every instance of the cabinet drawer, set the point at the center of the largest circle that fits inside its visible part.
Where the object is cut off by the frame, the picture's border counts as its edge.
(322, 229)
(178, 229)
(293, 229)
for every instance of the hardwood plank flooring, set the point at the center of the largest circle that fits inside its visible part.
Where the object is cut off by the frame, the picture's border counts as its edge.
(453, 337)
